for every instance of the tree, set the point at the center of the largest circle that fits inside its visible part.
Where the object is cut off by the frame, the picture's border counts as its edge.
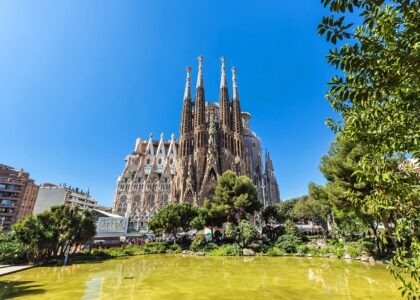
(236, 196)
(301, 210)
(291, 229)
(12, 251)
(86, 229)
(377, 97)
(173, 217)
(270, 215)
(285, 208)
(339, 167)
(247, 233)
(211, 215)
(39, 232)
(53, 232)
(319, 205)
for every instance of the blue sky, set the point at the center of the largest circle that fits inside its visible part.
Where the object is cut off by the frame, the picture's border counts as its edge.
(81, 80)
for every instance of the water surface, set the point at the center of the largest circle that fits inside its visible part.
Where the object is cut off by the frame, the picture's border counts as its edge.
(177, 277)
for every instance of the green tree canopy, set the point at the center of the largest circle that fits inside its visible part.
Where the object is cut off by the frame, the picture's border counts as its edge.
(55, 231)
(237, 196)
(211, 215)
(174, 217)
(339, 167)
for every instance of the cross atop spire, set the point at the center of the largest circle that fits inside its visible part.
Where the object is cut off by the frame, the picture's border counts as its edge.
(187, 92)
(200, 82)
(223, 82)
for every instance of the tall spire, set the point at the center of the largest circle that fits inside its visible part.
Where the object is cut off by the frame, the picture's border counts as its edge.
(236, 107)
(223, 82)
(187, 92)
(199, 111)
(200, 82)
(234, 85)
(186, 118)
(224, 102)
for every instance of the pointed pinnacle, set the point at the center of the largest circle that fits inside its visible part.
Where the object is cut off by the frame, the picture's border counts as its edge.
(187, 92)
(223, 82)
(200, 82)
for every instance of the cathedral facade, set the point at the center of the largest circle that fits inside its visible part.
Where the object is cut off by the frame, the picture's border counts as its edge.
(214, 137)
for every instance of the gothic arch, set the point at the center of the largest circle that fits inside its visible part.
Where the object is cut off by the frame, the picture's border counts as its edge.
(122, 204)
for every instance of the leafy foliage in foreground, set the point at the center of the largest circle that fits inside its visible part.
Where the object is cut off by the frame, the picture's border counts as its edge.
(378, 99)
(12, 251)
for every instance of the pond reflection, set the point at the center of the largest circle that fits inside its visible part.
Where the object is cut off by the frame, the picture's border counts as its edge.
(178, 277)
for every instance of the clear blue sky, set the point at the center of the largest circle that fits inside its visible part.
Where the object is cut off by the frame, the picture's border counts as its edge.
(81, 80)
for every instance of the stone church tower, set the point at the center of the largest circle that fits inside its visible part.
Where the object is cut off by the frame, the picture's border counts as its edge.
(208, 146)
(214, 137)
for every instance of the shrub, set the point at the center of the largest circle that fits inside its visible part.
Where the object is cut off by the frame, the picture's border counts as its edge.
(152, 248)
(198, 243)
(333, 242)
(291, 229)
(275, 251)
(231, 232)
(247, 233)
(367, 246)
(98, 252)
(314, 251)
(354, 252)
(302, 249)
(174, 248)
(288, 243)
(272, 232)
(337, 250)
(211, 247)
(157, 248)
(226, 250)
(323, 251)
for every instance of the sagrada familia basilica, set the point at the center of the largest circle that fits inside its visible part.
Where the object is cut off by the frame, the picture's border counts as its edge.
(214, 137)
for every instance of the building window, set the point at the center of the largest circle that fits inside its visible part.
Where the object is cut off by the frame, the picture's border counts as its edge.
(122, 205)
(136, 200)
(7, 202)
(150, 201)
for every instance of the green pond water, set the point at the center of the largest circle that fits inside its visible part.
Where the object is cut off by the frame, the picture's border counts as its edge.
(178, 277)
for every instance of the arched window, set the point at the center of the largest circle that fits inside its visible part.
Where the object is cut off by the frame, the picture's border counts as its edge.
(122, 205)
(150, 201)
(136, 200)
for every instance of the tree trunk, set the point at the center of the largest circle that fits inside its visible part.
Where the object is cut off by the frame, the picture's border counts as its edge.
(375, 236)
(390, 234)
(174, 233)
